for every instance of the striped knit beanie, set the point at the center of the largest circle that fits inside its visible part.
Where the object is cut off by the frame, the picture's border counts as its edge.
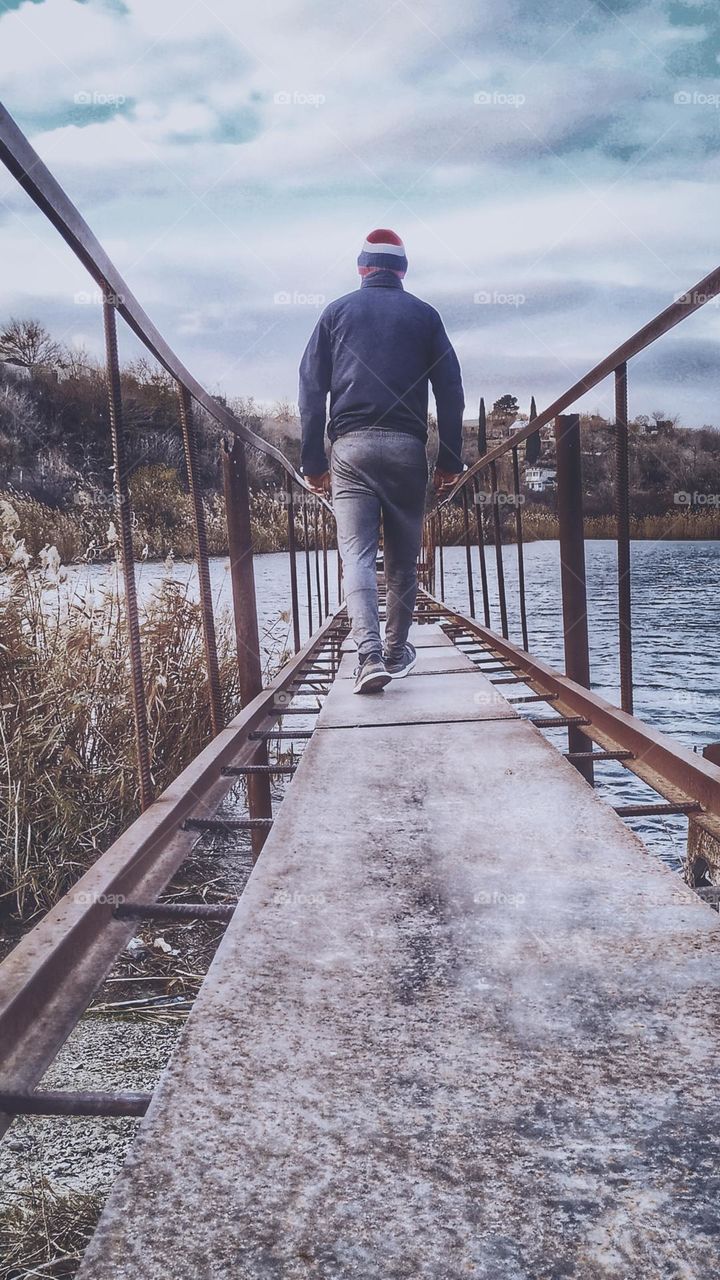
(383, 250)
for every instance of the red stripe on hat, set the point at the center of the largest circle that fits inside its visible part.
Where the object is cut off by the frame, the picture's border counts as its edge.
(384, 236)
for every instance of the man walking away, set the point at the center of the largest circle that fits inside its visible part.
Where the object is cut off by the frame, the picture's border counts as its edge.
(374, 352)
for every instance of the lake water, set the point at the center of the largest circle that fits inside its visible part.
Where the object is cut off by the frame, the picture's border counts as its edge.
(676, 617)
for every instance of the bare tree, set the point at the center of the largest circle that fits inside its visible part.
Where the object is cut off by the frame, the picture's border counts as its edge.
(78, 363)
(28, 344)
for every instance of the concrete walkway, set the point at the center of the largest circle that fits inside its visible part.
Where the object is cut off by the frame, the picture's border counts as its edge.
(461, 1025)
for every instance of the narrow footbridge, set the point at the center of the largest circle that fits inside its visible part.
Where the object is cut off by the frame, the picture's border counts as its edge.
(461, 1022)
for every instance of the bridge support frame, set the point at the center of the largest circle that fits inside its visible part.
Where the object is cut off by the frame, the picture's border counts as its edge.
(242, 577)
(572, 572)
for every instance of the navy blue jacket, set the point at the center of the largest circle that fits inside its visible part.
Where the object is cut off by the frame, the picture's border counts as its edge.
(374, 351)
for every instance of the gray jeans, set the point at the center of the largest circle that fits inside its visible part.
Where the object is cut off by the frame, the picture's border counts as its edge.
(379, 472)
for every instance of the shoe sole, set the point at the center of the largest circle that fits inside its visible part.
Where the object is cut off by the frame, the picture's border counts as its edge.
(400, 675)
(373, 684)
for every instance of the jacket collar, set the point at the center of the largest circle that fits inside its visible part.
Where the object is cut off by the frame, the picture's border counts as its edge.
(382, 279)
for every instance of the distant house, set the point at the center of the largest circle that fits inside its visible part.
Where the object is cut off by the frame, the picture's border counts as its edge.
(540, 479)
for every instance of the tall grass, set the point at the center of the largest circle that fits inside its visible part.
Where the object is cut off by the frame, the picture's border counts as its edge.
(67, 749)
(539, 523)
(45, 1232)
(162, 518)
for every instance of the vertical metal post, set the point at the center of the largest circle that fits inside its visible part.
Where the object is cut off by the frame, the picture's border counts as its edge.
(339, 572)
(292, 551)
(201, 554)
(326, 585)
(500, 566)
(306, 546)
(429, 553)
(316, 542)
(242, 577)
(122, 512)
(481, 553)
(572, 568)
(468, 559)
(433, 563)
(440, 553)
(622, 516)
(520, 552)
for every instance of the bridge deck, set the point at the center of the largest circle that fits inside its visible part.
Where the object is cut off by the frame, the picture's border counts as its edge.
(460, 1025)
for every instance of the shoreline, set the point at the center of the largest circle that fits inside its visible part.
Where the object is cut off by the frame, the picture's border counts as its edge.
(529, 536)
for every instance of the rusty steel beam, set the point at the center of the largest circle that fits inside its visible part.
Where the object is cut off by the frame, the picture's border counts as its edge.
(316, 543)
(292, 551)
(189, 436)
(520, 549)
(247, 637)
(468, 557)
(499, 561)
(127, 559)
(481, 553)
(656, 810)
(58, 1102)
(48, 980)
(224, 826)
(215, 912)
(572, 571)
(622, 525)
(326, 583)
(241, 770)
(308, 579)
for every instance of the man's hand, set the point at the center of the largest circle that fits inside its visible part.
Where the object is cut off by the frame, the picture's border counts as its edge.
(443, 481)
(319, 484)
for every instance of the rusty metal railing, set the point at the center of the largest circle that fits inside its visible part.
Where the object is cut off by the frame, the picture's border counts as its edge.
(118, 300)
(51, 975)
(688, 784)
(570, 499)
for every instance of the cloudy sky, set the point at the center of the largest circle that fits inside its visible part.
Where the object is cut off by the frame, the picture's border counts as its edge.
(554, 170)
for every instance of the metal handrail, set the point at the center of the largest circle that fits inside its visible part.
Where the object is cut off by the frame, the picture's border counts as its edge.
(679, 310)
(36, 179)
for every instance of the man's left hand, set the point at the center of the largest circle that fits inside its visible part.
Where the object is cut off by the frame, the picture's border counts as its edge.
(443, 481)
(319, 484)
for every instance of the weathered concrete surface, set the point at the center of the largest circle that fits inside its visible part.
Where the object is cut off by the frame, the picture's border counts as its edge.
(435, 658)
(461, 1026)
(425, 635)
(460, 693)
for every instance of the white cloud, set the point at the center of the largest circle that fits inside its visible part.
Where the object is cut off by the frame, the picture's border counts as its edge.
(211, 195)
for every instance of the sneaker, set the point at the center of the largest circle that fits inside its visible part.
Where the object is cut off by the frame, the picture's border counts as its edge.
(372, 675)
(402, 666)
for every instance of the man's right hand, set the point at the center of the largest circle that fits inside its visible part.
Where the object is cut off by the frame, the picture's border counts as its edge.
(443, 481)
(319, 484)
